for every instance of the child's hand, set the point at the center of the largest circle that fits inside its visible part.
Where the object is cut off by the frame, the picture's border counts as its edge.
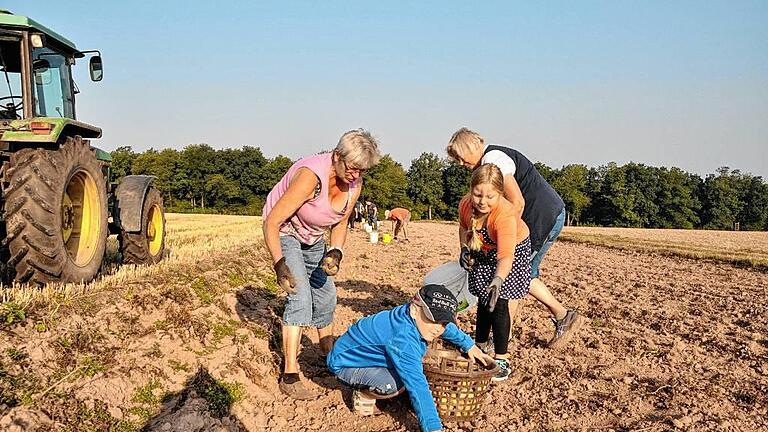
(493, 290)
(477, 355)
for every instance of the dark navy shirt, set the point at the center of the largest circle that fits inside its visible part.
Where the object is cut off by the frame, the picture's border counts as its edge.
(542, 203)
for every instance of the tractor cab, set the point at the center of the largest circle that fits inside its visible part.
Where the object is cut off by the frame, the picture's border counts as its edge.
(36, 70)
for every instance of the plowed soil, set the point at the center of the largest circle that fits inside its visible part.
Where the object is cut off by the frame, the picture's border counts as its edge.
(672, 344)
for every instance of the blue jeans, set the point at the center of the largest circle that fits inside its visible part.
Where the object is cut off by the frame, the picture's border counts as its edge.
(538, 255)
(378, 379)
(313, 303)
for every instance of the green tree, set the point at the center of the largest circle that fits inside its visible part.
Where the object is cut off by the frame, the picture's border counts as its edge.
(456, 181)
(425, 184)
(571, 184)
(198, 161)
(720, 200)
(122, 159)
(385, 185)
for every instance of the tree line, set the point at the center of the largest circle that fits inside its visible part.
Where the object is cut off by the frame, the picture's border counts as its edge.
(200, 178)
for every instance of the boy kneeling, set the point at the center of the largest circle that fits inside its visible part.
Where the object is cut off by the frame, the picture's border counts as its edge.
(381, 355)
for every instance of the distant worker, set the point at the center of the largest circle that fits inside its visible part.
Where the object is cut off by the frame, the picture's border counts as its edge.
(381, 355)
(400, 218)
(316, 194)
(540, 207)
(372, 212)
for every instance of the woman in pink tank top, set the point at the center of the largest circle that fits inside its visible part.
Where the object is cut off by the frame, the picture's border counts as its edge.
(316, 194)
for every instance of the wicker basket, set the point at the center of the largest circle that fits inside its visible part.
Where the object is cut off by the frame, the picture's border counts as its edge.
(458, 385)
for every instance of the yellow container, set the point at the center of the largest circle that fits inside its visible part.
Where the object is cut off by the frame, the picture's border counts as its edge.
(386, 238)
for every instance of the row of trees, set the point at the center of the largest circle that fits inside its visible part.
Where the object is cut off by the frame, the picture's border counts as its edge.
(202, 179)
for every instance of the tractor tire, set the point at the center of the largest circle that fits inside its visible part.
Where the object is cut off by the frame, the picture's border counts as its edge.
(148, 245)
(55, 204)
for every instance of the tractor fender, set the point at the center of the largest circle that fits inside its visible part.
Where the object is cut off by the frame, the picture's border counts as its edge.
(130, 195)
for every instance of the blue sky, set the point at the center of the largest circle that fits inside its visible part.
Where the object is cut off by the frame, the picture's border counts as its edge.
(672, 83)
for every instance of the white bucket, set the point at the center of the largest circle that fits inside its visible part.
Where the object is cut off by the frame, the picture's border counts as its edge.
(373, 236)
(367, 228)
(456, 279)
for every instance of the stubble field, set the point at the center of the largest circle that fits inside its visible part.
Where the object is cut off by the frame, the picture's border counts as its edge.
(673, 343)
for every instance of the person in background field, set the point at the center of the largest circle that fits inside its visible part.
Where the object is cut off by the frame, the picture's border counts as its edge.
(400, 218)
(317, 193)
(373, 213)
(495, 249)
(355, 215)
(540, 207)
(381, 355)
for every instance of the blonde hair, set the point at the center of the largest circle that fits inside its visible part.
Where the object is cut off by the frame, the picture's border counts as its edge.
(486, 174)
(359, 148)
(463, 142)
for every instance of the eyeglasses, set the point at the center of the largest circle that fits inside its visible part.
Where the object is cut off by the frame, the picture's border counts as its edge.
(360, 171)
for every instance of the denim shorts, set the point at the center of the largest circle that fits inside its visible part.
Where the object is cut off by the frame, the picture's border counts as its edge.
(537, 256)
(381, 380)
(314, 301)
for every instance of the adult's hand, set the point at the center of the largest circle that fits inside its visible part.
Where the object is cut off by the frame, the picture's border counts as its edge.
(465, 259)
(331, 261)
(493, 290)
(285, 278)
(477, 355)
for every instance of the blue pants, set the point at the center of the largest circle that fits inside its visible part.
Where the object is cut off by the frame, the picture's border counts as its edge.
(313, 303)
(538, 255)
(381, 380)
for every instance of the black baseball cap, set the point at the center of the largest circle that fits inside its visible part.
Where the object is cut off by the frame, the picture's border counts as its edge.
(438, 303)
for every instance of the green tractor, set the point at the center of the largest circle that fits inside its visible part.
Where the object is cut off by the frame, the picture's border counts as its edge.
(58, 203)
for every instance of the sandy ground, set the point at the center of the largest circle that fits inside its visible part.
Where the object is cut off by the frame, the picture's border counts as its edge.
(672, 344)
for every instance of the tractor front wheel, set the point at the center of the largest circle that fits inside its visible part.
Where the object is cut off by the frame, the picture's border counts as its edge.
(148, 245)
(56, 214)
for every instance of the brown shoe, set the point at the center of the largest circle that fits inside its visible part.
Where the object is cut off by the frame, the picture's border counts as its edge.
(296, 390)
(566, 328)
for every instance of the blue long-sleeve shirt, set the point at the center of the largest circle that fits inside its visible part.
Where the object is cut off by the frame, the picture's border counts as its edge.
(391, 339)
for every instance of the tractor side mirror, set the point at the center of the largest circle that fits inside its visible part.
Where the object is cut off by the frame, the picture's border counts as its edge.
(95, 68)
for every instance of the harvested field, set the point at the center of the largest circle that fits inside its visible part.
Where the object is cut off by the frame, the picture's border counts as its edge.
(674, 343)
(745, 248)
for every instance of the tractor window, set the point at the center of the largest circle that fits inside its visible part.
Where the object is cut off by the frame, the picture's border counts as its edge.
(10, 83)
(52, 84)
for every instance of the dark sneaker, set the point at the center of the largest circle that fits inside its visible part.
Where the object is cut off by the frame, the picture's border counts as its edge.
(503, 373)
(296, 390)
(566, 328)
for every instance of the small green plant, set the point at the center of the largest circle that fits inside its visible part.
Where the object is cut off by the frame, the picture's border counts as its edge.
(146, 393)
(161, 325)
(11, 313)
(224, 329)
(179, 366)
(270, 285)
(203, 291)
(236, 280)
(92, 366)
(16, 354)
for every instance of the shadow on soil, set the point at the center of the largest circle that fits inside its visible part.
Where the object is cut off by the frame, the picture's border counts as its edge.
(201, 392)
(379, 296)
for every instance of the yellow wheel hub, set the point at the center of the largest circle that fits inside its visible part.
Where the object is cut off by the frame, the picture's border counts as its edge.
(155, 230)
(81, 218)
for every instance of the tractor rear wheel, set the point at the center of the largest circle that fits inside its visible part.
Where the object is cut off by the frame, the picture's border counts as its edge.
(148, 245)
(55, 204)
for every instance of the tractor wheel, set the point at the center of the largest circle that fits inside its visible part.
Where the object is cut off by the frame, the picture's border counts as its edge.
(56, 214)
(148, 245)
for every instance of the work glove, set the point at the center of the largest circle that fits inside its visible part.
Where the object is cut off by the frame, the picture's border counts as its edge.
(493, 290)
(465, 258)
(285, 278)
(331, 260)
